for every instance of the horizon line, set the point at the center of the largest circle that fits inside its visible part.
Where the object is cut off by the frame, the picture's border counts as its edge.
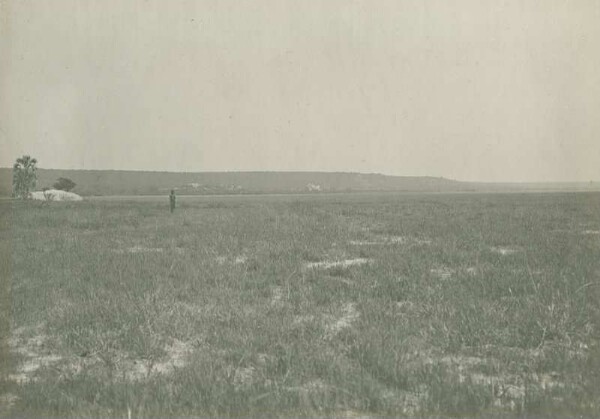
(326, 172)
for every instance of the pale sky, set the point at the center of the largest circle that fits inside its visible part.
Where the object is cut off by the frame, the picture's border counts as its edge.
(487, 90)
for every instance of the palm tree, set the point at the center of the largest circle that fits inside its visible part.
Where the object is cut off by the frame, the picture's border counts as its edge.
(24, 177)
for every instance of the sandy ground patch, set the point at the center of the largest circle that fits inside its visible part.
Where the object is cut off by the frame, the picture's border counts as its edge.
(140, 249)
(590, 232)
(365, 243)
(234, 260)
(253, 373)
(240, 260)
(406, 402)
(243, 378)
(277, 297)
(140, 369)
(385, 240)
(391, 240)
(442, 273)
(348, 317)
(30, 345)
(412, 402)
(509, 390)
(504, 250)
(338, 264)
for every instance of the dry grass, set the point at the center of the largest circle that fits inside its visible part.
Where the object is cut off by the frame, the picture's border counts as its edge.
(392, 305)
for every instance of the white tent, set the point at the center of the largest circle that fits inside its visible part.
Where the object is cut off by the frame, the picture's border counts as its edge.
(55, 195)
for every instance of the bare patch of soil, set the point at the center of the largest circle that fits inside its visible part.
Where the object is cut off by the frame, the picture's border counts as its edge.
(244, 378)
(384, 240)
(30, 345)
(338, 264)
(240, 260)
(391, 240)
(443, 273)
(140, 249)
(277, 297)
(504, 250)
(139, 369)
(349, 315)
(509, 390)
(237, 260)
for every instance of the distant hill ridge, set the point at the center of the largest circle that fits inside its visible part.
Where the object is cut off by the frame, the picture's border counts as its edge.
(125, 182)
(129, 182)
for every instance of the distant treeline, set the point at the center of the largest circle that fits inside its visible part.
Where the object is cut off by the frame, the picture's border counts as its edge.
(110, 182)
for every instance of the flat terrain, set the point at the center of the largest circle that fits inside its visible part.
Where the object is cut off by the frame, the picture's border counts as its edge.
(343, 306)
(128, 182)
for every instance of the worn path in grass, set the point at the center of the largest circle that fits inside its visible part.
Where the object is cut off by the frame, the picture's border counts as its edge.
(430, 305)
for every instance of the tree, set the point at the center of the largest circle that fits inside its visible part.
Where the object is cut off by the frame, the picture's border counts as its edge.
(64, 184)
(24, 177)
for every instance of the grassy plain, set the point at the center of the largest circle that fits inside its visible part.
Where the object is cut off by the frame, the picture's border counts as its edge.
(345, 305)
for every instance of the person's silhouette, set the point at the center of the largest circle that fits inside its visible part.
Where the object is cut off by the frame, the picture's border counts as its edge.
(172, 199)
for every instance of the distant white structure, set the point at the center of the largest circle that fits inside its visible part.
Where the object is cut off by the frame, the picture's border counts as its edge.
(311, 187)
(55, 195)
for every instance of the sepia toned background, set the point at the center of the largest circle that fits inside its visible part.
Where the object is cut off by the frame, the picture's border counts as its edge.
(469, 89)
(461, 287)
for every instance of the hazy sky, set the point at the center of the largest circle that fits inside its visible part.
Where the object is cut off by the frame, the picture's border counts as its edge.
(466, 89)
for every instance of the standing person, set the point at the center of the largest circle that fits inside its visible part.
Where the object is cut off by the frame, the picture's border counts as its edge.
(172, 199)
